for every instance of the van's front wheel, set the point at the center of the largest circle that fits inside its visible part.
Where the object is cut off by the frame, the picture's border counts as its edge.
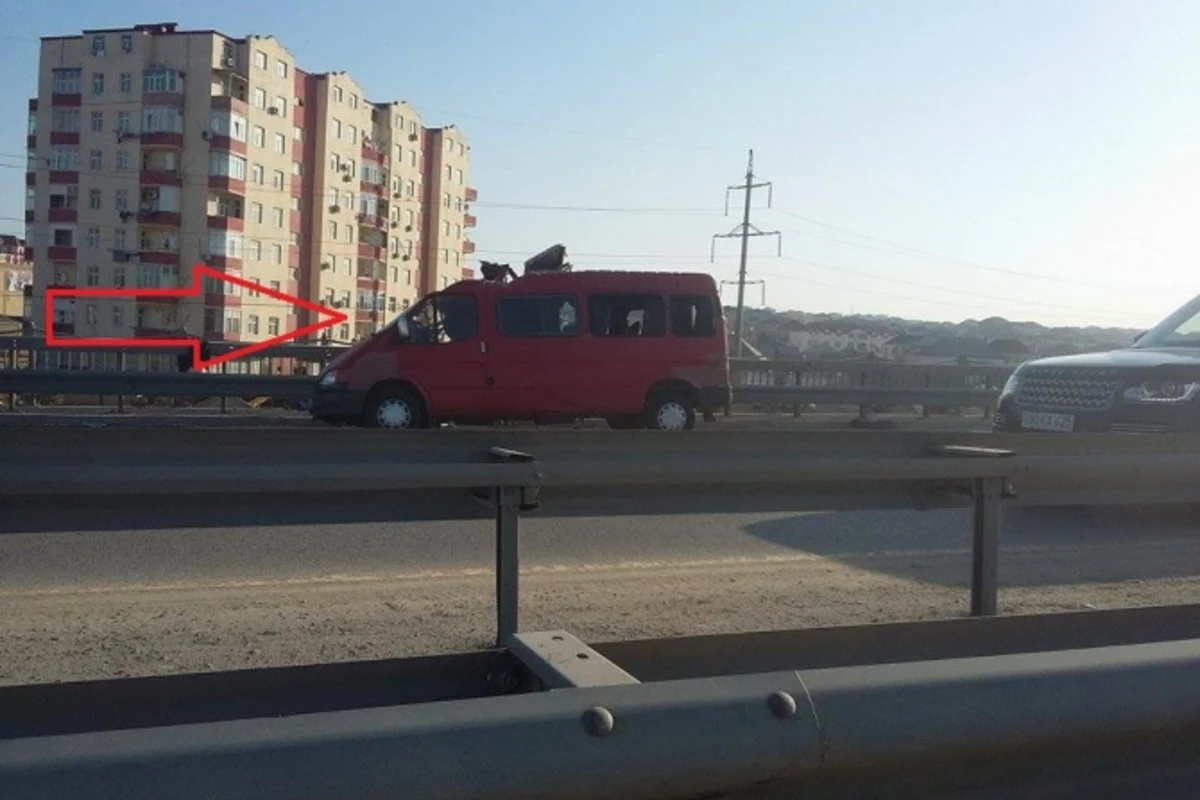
(394, 409)
(671, 412)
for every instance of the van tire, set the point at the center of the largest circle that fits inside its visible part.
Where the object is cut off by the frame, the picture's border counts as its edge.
(394, 408)
(671, 411)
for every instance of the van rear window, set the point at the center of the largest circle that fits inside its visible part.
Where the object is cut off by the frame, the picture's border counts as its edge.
(627, 315)
(693, 315)
(546, 315)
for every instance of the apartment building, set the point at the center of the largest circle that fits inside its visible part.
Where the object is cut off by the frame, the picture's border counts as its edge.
(15, 276)
(152, 149)
(447, 207)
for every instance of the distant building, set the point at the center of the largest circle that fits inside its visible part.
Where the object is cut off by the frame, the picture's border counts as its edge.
(849, 338)
(16, 273)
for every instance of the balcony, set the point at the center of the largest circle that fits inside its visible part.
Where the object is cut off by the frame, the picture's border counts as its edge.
(163, 99)
(468, 247)
(33, 104)
(158, 216)
(66, 100)
(370, 251)
(156, 253)
(372, 220)
(227, 102)
(67, 176)
(369, 187)
(162, 176)
(162, 139)
(61, 252)
(221, 142)
(470, 195)
(224, 183)
(29, 217)
(371, 153)
(225, 222)
(64, 137)
(31, 142)
(469, 220)
(64, 215)
(226, 263)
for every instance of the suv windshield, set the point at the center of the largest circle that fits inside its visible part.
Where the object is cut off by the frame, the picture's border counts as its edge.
(1181, 329)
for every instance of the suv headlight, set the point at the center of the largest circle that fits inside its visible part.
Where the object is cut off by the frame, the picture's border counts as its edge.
(1162, 392)
(328, 379)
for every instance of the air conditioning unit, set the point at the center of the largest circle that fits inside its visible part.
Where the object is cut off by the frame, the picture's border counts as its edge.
(126, 215)
(395, 195)
(335, 209)
(408, 228)
(205, 135)
(395, 224)
(326, 265)
(230, 61)
(347, 179)
(273, 111)
(406, 258)
(412, 137)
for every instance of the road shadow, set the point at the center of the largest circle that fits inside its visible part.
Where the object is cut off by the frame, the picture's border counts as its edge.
(1038, 547)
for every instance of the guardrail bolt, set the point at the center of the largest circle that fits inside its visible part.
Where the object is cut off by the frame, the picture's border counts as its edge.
(598, 721)
(782, 705)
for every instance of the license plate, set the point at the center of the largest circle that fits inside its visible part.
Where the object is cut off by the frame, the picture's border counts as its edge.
(1038, 421)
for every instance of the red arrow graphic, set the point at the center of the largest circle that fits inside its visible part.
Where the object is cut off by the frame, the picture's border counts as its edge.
(327, 317)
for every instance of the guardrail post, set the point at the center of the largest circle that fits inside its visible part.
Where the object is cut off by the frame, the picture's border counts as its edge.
(120, 397)
(985, 550)
(12, 364)
(508, 561)
(224, 399)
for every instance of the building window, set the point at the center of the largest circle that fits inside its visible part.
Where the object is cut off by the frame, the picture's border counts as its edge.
(280, 144)
(225, 163)
(124, 122)
(91, 314)
(337, 94)
(67, 81)
(118, 278)
(96, 160)
(352, 133)
(278, 179)
(281, 69)
(254, 250)
(259, 137)
(257, 175)
(333, 230)
(126, 42)
(256, 212)
(260, 59)
(344, 333)
(118, 316)
(119, 244)
(93, 237)
(273, 326)
(281, 105)
(94, 199)
(125, 82)
(277, 253)
(97, 122)
(93, 276)
(162, 119)
(252, 325)
(449, 173)
(277, 217)
(98, 43)
(97, 83)
(160, 79)
(337, 128)
(260, 98)
(353, 100)
(297, 133)
(123, 160)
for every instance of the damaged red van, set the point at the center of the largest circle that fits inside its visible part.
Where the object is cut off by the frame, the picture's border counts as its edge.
(639, 349)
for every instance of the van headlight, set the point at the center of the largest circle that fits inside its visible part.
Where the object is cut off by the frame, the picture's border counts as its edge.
(329, 378)
(1162, 392)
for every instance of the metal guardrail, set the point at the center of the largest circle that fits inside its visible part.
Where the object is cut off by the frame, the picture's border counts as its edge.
(25, 369)
(606, 729)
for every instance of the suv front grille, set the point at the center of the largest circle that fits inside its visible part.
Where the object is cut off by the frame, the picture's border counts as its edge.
(1093, 390)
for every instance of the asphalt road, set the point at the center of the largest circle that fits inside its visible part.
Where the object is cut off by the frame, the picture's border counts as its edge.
(92, 604)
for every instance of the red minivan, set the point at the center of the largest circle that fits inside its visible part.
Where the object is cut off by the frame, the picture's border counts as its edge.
(639, 349)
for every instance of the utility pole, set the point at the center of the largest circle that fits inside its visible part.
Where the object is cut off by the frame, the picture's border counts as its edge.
(744, 231)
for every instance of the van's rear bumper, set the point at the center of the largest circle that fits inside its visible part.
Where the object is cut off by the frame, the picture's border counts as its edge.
(714, 398)
(335, 403)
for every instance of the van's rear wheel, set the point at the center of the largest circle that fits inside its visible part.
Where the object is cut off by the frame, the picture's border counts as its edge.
(671, 412)
(394, 409)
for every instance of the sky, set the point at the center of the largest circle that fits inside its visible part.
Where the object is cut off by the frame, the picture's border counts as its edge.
(937, 159)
